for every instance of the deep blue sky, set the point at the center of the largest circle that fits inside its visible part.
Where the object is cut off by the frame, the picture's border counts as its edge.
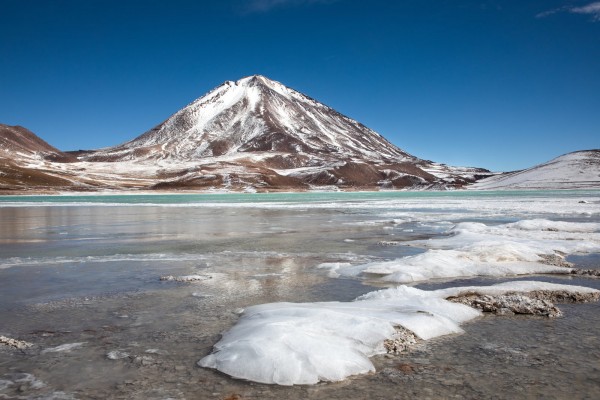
(501, 84)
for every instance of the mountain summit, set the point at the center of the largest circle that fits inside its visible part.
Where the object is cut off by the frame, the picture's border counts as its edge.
(256, 114)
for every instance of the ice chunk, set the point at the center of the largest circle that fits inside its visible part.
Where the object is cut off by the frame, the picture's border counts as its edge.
(116, 355)
(67, 347)
(287, 343)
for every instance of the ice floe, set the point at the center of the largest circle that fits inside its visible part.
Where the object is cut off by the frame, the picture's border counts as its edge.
(63, 348)
(288, 343)
(475, 249)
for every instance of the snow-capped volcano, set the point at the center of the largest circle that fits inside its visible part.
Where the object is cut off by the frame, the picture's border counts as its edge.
(256, 114)
(253, 134)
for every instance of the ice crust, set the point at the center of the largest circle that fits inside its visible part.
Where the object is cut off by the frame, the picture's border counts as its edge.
(475, 249)
(290, 344)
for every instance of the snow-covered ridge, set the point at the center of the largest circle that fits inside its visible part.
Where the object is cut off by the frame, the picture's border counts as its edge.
(577, 170)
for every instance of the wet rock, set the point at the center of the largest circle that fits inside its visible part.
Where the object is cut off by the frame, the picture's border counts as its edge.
(388, 243)
(563, 296)
(557, 260)
(14, 343)
(405, 368)
(144, 360)
(156, 351)
(22, 382)
(509, 304)
(586, 272)
(402, 340)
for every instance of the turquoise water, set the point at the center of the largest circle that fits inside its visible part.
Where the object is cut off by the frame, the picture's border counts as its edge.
(303, 197)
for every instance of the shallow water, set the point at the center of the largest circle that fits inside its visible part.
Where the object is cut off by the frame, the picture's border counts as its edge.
(89, 274)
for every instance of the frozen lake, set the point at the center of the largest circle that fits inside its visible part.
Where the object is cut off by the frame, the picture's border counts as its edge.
(84, 273)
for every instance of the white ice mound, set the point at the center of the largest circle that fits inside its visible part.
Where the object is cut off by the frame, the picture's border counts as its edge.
(476, 249)
(287, 344)
(448, 264)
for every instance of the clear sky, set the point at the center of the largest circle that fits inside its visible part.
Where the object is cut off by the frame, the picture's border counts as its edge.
(501, 84)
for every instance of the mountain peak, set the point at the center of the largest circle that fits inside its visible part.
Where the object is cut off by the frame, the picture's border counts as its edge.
(252, 80)
(257, 114)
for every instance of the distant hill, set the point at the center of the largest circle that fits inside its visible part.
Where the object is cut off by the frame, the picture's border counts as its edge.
(21, 152)
(18, 140)
(577, 170)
